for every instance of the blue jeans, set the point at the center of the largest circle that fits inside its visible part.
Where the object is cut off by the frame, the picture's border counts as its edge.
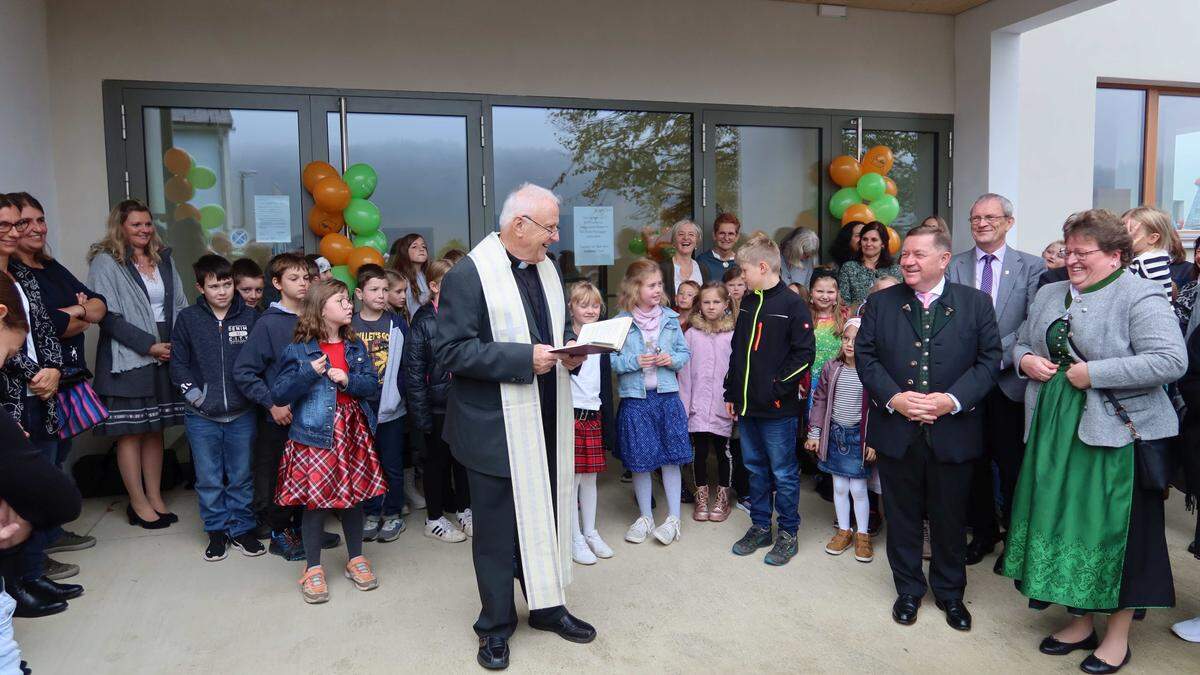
(33, 554)
(769, 452)
(221, 455)
(389, 444)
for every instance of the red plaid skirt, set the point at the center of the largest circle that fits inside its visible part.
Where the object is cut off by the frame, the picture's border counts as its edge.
(589, 446)
(332, 478)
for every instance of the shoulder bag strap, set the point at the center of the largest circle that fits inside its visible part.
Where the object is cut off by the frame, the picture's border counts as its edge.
(1109, 396)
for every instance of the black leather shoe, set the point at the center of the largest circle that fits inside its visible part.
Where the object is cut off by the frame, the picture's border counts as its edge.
(52, 590)
(998, 568)
(30, 605)
(169, 516)
(1055, 647)
(135, 519)
(1092, 664)
(568, 628)
(957, 616)
(979, 549)
(904, 611)
(493, 652)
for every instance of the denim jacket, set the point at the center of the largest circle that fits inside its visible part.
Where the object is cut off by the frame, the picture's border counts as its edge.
(630, 381)
(313, 396)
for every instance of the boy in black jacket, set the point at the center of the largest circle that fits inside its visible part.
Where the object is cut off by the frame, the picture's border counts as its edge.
(220, 421)
(773, 348)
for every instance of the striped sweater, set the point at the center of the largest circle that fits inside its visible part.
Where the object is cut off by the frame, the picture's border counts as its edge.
(1155, 265)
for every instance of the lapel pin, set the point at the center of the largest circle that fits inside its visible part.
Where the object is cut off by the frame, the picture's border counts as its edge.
(906, 307)
(1006, 272)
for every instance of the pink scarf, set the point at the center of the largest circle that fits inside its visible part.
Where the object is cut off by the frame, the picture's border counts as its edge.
(650, 325)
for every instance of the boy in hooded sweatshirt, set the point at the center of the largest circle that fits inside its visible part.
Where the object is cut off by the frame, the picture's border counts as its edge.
(205, 342)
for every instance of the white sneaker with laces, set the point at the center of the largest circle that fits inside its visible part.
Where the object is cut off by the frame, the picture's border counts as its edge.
(597, 545)
(1188, 630)
(639, 530)
(668, 532)
(466, 523)
(581, 553)
(443, 530)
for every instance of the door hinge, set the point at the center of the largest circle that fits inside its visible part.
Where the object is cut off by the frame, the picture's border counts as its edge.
(123, 129)
(703, 192)
(703, 138)
(949, 194)
(126, 185)
(482, 132)
(950, 154)
(485, 190)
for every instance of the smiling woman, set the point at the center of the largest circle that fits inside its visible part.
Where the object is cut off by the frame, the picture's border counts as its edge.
(682, 266)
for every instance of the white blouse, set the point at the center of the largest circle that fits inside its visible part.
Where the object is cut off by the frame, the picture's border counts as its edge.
(157, 293)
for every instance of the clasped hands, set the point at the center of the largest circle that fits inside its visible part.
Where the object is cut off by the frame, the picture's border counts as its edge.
(544, 359)
(1042, 369)
(923, 408)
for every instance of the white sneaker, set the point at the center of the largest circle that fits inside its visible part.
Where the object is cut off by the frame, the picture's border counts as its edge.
(443, 530)
(597, 545)
(466, 523)
(1188, 630)
(639, 530)
(411, 496)
(668, 532)
(581, 553)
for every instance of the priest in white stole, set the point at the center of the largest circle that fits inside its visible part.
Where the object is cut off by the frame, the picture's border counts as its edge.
(509, 419)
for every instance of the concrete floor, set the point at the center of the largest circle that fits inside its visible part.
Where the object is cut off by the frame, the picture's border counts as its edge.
(153, 605)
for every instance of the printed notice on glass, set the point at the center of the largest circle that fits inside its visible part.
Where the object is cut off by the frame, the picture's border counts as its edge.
(593, 235)
(273, 219)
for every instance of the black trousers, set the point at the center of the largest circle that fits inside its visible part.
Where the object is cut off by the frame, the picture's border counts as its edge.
(1004, 444)
(268, 450)
(705, 444)
(495, 550)
(914, 486)
(446, 486)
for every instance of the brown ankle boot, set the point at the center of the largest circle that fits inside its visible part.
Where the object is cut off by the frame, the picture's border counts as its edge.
(700, 508)
(720, 510)
(839, 543)
(863, 551)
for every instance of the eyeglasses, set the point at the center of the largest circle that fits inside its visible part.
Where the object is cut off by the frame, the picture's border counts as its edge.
(991, 220)
(1061, 254)
(552, 231)
(19, 226)
(1081, 255)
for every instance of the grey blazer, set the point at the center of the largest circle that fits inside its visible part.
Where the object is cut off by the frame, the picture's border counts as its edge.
(1018, 284)
(1133, 345)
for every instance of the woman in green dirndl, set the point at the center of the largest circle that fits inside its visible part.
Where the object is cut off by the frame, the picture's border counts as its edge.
(1084, 534)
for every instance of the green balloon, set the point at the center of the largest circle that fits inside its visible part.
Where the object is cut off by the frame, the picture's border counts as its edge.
(362, 180)
(886, 208)
(842, 200)
(872, 186)
(212, 217)
(342, 274)
(362, 216)
(376, 240)
(202, 177)
(637, 246)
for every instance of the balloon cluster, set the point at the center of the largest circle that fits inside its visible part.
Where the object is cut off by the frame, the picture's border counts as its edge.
(866, 181)
(655, 245)
(181, 187)
(343, 201)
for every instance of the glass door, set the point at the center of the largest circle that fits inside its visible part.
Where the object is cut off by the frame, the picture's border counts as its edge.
(765, 168)
(921, 169)
(427, 153)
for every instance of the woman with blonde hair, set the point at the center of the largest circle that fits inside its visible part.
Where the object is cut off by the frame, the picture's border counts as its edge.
(1156, 244)
(134, 272)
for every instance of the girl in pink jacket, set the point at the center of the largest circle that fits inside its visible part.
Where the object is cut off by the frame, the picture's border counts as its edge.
(701, 387)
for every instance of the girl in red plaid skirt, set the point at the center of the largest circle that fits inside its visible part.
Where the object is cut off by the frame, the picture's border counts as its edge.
(591, 389)
(329, 462)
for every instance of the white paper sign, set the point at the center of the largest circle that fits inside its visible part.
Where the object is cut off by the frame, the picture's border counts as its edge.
(273, 218)
(593, 235)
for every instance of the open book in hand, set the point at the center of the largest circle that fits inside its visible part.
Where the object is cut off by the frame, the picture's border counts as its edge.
(600, 337)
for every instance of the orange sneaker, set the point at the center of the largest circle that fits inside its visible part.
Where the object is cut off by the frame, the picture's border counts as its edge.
(359, 571)
(863, 552)
(839, 543)
(313, 587)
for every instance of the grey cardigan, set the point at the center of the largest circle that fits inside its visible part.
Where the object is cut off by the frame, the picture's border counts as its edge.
(1133, 345)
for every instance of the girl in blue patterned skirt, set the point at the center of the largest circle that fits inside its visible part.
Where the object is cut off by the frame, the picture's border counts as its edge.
(651, 422)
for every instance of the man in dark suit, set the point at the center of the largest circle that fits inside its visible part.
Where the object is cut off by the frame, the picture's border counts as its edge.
(928, 353)
(1010, 279)
(475, 420)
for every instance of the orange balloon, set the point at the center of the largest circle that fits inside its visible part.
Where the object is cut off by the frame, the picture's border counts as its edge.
(331, 194)
(363, 255)
(860, 212)
(336, 248)
(179, 190)
(177, 161)
(878, 160)
(891, 186)
(186, 212)
(323, 222)
(845, 171)
(893, 240)
(315, 172)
